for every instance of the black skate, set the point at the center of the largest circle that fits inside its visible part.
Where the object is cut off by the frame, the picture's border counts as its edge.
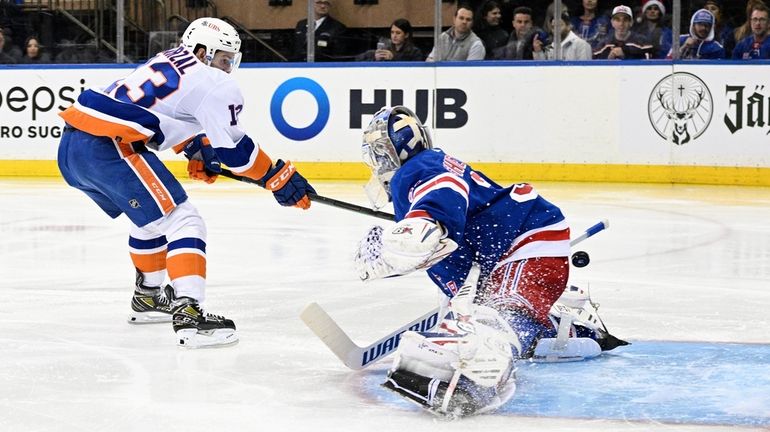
(198, 329)
(150, 305)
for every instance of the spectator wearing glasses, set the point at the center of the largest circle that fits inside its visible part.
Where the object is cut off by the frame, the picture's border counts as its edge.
(329, 35)
(744, 30)
(756, 45)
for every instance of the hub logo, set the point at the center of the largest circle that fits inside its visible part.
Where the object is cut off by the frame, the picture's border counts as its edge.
(276, 108)
(680, 107)
(447, 103)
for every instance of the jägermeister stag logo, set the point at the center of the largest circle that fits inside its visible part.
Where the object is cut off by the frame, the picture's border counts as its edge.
(680, 107)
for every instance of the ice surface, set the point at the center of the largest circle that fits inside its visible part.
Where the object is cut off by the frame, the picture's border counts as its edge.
(679, 263)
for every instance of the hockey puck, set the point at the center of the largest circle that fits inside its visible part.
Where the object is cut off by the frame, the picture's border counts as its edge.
(580, 259)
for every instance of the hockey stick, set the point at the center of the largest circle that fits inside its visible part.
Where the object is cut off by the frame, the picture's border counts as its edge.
(357, 357)
(352, 355)
(318, 198)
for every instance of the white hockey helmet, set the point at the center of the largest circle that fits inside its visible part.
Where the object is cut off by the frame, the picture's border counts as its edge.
(392, 137)
(215, 35)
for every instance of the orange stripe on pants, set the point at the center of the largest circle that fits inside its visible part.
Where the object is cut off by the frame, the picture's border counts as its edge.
(155, 186)
(186, 264)
(148, 263)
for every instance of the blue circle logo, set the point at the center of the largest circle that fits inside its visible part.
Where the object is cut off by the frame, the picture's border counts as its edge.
(276, 111)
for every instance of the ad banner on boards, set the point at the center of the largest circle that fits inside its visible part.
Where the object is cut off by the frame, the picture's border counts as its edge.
(701, 114)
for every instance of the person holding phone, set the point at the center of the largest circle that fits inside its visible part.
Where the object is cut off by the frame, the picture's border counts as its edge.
(399, 47)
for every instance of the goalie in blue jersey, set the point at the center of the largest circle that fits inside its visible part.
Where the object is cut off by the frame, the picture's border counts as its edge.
(498, 254)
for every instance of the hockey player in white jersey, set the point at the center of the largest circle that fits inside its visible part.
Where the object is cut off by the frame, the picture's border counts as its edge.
(182, 99)
(452, 219)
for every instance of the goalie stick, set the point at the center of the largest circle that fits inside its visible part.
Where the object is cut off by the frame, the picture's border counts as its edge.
(318, 198)
(359, 357)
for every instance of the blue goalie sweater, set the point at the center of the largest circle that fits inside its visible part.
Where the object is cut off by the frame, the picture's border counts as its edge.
(491, 224)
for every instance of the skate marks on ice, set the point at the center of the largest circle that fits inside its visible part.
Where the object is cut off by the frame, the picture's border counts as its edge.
(686, 383)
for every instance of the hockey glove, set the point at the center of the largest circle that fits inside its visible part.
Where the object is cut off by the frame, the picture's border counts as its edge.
(368, 260)
(203, 162)
(287, 185)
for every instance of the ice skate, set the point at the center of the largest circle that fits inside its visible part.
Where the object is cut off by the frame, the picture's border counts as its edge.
(150, 305)
(576, 304)
(198, 329)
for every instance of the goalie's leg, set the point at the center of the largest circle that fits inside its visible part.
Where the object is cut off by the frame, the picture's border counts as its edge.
(454, 375)
(523, 291)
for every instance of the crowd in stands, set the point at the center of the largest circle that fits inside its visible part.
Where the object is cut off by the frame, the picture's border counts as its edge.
(508, 30)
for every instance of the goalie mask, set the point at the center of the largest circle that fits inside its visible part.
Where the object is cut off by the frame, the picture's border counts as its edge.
(215, 35)
(393, 136)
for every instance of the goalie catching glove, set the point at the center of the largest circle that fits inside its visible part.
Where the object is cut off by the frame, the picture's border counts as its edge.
(409, 245)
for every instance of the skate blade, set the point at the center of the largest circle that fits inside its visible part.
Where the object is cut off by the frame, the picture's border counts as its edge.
(190, 338)
(149, 318)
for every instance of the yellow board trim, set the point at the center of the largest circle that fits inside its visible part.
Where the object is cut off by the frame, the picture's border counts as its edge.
(504, 172)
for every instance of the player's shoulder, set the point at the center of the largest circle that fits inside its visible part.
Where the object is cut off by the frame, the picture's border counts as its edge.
(428, 164)
(220, 84)
(428, 160)
(437, 161)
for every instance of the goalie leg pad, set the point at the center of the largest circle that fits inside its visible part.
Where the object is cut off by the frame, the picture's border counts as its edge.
(454, 375)
(446, 399)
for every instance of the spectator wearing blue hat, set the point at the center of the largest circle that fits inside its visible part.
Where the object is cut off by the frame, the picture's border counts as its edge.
(756, 45)
(700, 43)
